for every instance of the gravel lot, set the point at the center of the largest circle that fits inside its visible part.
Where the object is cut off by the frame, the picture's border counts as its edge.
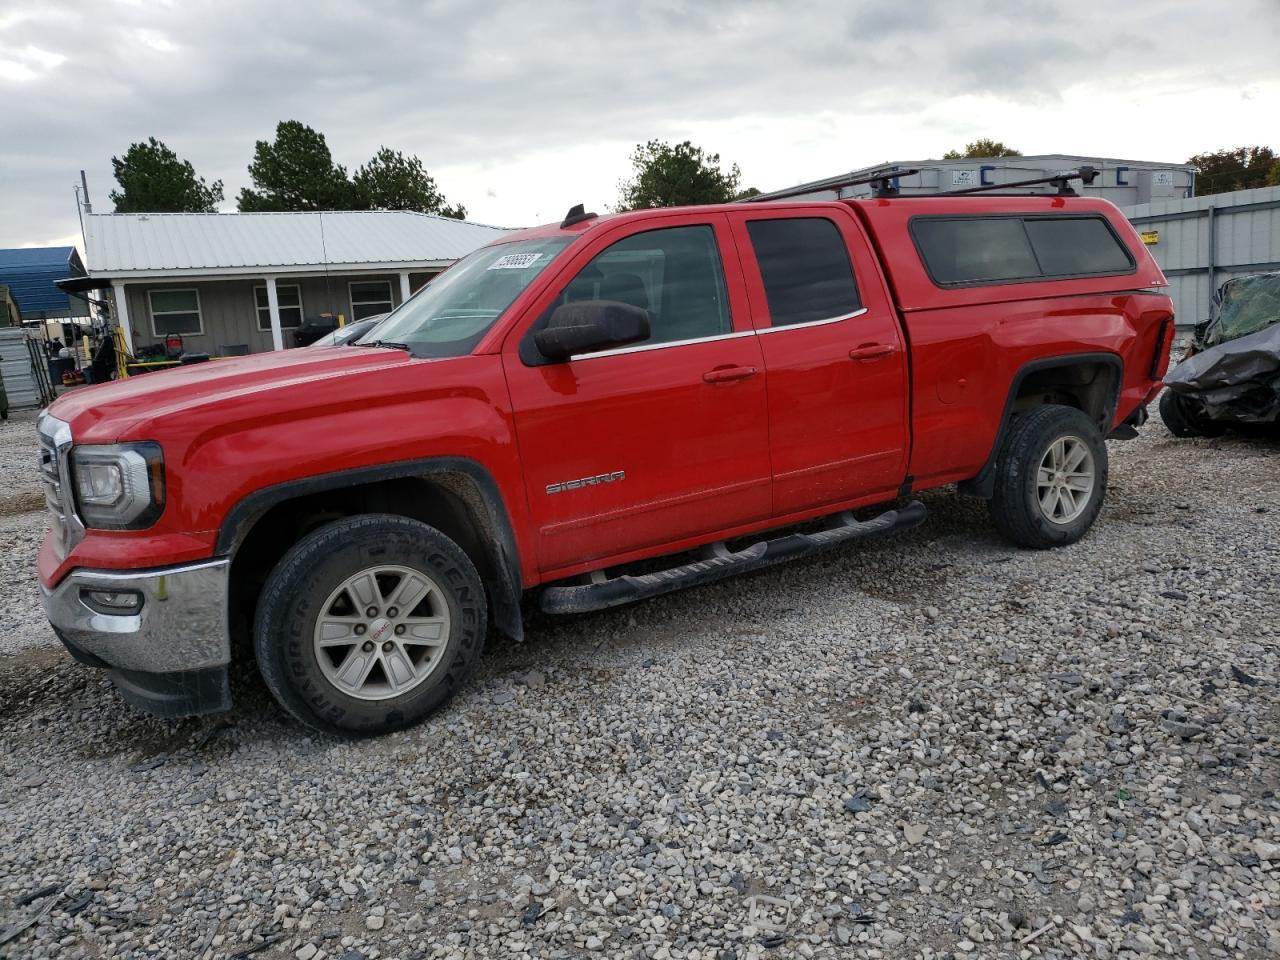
(928, 746)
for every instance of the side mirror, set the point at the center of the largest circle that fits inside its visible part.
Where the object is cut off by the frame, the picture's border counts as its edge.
(590, 325)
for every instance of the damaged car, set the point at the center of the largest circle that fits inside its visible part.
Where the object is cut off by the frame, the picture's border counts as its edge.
(1230, 376)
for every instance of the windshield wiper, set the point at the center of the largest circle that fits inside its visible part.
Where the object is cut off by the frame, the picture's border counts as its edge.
(388, 343)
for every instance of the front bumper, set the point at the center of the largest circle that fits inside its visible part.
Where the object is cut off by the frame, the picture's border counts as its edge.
(170, 655)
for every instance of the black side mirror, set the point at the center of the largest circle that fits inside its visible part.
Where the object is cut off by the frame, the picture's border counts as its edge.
(590, 325)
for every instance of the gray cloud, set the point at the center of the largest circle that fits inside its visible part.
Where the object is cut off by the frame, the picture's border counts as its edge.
(461, 83)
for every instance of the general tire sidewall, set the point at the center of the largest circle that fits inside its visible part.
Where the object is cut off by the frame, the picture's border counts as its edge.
(1016, 504)
(294, 598)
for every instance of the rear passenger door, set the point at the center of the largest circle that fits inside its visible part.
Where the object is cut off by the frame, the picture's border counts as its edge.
(834, 356)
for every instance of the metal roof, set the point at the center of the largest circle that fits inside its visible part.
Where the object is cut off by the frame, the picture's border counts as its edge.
(30, 272)
(148, 244)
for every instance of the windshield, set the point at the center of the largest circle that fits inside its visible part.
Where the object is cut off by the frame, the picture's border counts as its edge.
(449, 315)
(1245, 306)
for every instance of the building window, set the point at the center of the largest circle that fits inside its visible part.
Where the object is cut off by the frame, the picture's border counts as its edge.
(370, 298)
(804, 264)
(289, 300)
(175, 311)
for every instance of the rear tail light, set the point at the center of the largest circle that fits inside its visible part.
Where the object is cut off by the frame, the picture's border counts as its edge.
(1164, 344)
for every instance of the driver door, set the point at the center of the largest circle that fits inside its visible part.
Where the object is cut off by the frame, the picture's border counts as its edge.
(654, 444)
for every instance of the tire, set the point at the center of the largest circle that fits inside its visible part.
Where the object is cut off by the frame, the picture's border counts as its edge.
(1184, 419)
(1031, 443)
(409, 661)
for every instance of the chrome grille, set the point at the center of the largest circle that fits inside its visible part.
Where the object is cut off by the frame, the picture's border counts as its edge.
(55, 444)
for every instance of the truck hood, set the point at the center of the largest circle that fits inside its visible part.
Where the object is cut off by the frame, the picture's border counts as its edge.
(116, 411)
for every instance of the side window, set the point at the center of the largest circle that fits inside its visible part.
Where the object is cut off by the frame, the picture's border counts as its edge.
(674, 273)
(806, 270)
(968, 250)
(974, 250)
(1070, 246)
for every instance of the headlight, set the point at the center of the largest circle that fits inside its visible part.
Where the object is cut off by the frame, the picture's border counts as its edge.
(119, 486)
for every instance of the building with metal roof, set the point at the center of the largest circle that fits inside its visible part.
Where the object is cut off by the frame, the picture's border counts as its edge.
(231, 283)
(30, 274)
(1123, 182)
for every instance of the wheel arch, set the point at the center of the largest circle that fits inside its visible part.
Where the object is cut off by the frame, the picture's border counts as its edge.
(458, 496)
(1090, 382)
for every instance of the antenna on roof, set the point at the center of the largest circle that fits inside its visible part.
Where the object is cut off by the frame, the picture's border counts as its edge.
(88, 207)
(576, 214)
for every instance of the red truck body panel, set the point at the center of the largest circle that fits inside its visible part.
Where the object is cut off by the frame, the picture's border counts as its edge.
(236, 427)
(643, 451)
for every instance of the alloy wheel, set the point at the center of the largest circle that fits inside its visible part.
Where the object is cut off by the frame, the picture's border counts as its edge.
(381, 632)
(1065, 480)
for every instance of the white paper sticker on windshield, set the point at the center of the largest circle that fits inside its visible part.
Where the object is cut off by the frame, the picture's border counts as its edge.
(515, 261)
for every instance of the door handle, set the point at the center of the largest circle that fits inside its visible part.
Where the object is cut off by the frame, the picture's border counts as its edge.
(728, 374)
(872, 351)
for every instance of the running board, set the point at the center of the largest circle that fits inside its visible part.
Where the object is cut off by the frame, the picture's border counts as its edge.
(619, 590)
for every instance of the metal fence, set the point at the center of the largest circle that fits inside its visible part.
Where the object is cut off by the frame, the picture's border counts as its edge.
(20, 374)
(1202, 241)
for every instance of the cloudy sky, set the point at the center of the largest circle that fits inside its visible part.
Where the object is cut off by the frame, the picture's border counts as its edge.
(522, 109)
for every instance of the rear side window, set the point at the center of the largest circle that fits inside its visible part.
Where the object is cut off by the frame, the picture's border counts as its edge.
(805, 266)
(975, 250)
(1071, 246)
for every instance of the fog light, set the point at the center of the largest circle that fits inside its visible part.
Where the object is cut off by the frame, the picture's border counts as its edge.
(117, 603)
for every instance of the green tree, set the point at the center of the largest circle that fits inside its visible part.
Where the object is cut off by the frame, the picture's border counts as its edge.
(1273, 178)
(1225, 170)
(296, 172)
(392, 181)
(154, 180)
(984, 147)
(675, 176)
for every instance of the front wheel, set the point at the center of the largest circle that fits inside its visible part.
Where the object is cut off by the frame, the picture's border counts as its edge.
(369, 623)
(1051, 478)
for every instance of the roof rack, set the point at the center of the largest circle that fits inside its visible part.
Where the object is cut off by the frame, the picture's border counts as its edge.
(1062, 180)
(884, 183)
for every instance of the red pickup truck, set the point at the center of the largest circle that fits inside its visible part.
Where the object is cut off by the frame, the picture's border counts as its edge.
(579, 397)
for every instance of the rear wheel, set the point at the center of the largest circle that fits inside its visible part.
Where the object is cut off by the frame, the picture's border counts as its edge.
(369, 623)
(1051, 478)
(1185, 417)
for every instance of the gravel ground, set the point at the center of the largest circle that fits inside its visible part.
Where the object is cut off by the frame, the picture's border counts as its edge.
(929, 746)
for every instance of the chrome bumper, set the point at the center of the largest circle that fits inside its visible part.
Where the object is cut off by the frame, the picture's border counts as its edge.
(181, 625)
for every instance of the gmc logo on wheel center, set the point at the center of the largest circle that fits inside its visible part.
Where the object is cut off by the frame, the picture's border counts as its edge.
(587, 481)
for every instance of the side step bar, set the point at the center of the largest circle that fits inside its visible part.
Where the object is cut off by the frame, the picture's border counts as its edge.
(619, 590)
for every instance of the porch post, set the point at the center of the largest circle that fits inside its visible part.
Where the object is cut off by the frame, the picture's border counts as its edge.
(273, 306)
(122, 313)
(404, 286)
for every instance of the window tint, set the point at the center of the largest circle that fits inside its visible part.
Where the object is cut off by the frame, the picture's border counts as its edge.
(1069, 246)
(673, 273)
(995, 249)
(973, 250)
(806, 269)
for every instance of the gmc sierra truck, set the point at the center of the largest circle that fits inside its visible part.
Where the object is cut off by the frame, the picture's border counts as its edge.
(665, 386)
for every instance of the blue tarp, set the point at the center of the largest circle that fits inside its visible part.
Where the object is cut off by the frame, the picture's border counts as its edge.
(30, 273)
